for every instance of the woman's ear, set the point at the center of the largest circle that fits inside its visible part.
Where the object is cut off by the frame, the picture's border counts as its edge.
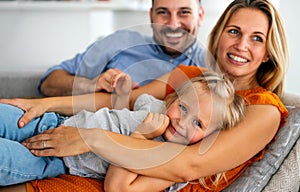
(266, 59)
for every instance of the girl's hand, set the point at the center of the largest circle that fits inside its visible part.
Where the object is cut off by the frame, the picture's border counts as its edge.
(153, 126)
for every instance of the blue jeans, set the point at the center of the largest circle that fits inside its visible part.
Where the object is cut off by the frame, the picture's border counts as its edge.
(17, 164)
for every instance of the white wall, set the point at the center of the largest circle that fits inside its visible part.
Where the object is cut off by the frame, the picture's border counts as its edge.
(39, 39)
(35, 35)
(291, 15)
(36, 40)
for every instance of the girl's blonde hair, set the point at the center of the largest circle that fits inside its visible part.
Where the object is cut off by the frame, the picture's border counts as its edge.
(222, 88)
(230, 113)
(271, 74)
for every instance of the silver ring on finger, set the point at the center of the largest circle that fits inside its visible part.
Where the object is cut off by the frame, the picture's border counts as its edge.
(44, 144)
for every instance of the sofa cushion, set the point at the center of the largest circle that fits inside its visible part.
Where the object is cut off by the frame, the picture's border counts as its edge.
(19, 83)
(287, 178)
(258, 175)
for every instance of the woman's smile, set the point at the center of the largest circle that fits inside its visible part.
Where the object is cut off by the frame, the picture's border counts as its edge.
(236, 59)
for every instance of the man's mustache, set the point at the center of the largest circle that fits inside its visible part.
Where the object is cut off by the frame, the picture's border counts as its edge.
(177, 30)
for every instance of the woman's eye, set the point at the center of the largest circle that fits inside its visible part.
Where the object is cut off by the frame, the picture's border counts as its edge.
(257, 38)
(233, 31)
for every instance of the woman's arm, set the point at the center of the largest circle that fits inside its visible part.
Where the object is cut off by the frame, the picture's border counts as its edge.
(171, 161)
(178, 163)
(67, 105)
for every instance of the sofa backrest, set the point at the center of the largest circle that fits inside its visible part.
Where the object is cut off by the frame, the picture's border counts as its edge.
(15, 84)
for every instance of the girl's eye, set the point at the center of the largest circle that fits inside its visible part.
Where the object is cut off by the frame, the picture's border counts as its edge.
(183, 108)
(197, 123)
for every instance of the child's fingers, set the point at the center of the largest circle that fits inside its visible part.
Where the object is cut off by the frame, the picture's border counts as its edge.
(166, 121)
(148, 118)
(161, 120)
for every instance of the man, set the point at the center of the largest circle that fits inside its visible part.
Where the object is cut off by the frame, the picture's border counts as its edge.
(175, 27)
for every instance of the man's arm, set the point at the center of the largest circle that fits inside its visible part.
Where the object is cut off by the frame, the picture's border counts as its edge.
(62, 83)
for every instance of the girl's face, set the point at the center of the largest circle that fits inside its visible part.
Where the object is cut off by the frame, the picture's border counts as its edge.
(242, 46)
(190, 116)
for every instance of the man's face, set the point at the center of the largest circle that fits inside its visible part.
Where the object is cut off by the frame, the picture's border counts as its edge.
(175, 24)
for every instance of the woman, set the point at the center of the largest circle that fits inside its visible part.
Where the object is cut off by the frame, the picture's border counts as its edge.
(252, 52)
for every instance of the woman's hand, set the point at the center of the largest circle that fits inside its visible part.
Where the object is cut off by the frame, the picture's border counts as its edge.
(32, 108)
(62, 141)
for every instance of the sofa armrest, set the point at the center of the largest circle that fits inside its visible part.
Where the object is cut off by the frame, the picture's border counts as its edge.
(19, 83)
(291, 99)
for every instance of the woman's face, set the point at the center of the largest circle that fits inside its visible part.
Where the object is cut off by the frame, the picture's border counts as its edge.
(242, 46)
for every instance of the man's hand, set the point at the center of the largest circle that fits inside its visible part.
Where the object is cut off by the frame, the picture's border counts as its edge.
(107, 80)
(104, 80)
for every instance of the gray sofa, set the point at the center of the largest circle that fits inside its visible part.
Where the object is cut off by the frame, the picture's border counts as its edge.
(19, 84)
(279, 171)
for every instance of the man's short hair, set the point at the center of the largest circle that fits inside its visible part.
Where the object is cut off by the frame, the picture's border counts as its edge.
(153, 2)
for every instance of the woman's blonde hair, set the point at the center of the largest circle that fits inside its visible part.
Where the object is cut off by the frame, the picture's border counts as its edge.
(271, 74)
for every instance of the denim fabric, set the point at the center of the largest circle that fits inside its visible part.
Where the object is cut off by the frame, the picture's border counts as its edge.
(18, 165)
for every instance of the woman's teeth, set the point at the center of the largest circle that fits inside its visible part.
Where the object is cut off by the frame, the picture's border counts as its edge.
(238, 59)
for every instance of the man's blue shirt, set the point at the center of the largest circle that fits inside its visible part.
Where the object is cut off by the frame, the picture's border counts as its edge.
(131, 52)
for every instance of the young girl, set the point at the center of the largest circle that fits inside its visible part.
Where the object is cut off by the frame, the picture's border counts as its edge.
(200, 106)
